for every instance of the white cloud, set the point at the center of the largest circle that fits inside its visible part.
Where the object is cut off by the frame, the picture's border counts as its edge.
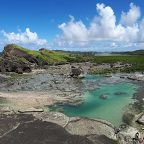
(27, 37)
(74, 31)
(141, 32)
(103, 28)
(103, 25)
(130, 18)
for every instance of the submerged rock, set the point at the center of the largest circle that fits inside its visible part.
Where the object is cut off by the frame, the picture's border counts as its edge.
(120, 93)
(104, 97)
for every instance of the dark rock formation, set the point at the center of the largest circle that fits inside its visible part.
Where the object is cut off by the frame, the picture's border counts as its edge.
(15, 52)
(27, 129)
(104, 97)
(15, 60)
(38, 132)
(23, 129)
(8, 65)
(75, 72)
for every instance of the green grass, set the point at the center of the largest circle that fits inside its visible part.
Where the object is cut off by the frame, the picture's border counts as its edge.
(123, 59)
(45, 55)
(137, 61)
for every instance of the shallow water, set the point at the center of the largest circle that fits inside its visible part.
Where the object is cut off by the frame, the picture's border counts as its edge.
(107, 100)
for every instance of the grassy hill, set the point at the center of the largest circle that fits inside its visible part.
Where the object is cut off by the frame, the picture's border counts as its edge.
(45, 55)
(42, 55)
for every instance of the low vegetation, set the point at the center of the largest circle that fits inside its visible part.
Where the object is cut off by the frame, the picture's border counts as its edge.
(48, 57)
(43, 54)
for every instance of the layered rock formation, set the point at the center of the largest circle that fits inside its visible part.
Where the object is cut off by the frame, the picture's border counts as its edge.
(17, 59)
(13, 60)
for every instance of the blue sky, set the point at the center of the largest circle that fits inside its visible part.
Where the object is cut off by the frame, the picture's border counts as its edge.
(72, 24)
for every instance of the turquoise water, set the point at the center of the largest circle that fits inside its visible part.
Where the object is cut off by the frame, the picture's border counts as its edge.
(111, 108)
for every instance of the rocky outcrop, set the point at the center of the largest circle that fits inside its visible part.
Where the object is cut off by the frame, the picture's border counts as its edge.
(8, 65)
(15, 60)
(17, 128)
(38, 132)
(75, 71)
(11, 52)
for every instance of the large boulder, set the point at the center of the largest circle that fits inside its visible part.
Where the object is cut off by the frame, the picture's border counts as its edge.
(75, 72)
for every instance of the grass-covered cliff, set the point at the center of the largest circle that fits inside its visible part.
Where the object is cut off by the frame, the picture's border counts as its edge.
(33, 56)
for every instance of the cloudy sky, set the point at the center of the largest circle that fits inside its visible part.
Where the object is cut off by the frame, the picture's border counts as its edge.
(86, 25)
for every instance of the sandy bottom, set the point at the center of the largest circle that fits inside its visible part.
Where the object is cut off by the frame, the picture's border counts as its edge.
(27, 99)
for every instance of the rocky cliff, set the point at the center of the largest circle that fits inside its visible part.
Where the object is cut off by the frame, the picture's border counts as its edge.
(17, 59)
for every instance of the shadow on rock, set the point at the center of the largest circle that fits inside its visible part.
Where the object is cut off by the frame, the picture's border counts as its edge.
(38, 132)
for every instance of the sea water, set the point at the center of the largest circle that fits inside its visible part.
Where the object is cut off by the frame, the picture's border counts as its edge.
(107, 102)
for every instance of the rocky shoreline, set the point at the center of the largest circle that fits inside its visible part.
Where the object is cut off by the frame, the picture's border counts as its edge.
(26, 128)
(28, 96)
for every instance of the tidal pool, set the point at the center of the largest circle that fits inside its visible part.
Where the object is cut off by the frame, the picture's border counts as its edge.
(107, 100)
